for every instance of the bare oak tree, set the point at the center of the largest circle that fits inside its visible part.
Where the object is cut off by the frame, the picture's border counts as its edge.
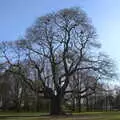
(57, 46)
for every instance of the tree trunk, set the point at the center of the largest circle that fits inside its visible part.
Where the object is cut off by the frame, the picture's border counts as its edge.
(55, 107)
(79, 104)
(37, 103)
(17, 106)
(95, 103)
(87, 104)
(73, 104)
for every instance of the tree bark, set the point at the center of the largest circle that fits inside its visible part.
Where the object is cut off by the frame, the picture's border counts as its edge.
(55, 107)
(73, 104)
(87, 104)
(79, 103)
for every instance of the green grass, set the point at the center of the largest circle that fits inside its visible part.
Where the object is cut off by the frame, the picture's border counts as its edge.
(75, 116)
(22, 113)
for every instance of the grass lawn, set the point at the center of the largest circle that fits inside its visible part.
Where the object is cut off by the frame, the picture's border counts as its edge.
(76, 116)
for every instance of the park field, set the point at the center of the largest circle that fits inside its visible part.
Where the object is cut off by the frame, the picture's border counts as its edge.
(75, 116)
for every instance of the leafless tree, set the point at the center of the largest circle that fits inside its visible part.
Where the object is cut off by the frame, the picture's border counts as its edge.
(57, 46)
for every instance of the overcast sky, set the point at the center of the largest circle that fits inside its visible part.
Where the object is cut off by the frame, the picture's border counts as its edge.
(17, 15)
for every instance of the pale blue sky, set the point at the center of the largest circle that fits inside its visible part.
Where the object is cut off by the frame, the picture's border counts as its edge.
(17, 15)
